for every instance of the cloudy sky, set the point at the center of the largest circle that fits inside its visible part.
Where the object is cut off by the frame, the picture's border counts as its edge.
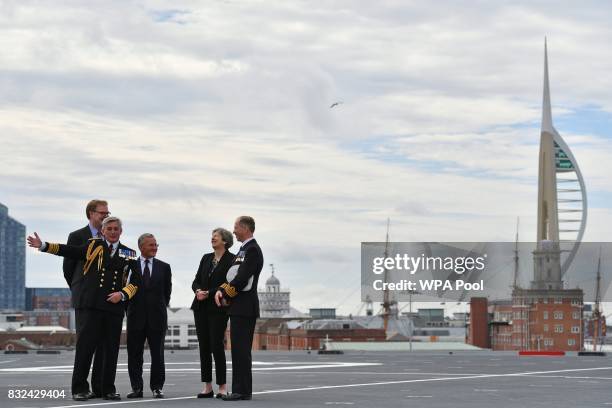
(185, 114)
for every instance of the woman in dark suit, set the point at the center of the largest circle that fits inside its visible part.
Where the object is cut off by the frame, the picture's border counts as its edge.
(210, 320)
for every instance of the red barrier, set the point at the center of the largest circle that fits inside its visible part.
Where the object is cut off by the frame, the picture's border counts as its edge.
(541, 353)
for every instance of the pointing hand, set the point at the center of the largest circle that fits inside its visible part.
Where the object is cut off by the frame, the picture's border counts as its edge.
(34, 241)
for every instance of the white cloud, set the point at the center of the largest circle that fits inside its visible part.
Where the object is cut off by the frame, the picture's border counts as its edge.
(186, 115)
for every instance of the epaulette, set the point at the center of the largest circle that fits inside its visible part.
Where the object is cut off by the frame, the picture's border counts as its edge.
(94, 238)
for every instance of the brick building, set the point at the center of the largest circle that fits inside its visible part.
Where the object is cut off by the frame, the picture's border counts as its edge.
(535, 319)
(309, 334)
(46, 317)
(48, 298)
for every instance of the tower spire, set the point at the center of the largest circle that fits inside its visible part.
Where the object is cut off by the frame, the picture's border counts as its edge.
(547, 125)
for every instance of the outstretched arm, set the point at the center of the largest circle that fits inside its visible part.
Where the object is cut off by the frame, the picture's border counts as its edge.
(69, 251)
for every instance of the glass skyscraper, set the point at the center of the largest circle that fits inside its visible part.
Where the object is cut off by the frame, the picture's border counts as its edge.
(12, 262)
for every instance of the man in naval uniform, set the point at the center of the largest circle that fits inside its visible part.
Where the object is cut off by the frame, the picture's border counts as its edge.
(241, 293)
(107, 266)
(96, 211)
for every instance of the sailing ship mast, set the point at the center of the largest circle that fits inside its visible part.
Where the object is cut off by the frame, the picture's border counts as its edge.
(387, 301)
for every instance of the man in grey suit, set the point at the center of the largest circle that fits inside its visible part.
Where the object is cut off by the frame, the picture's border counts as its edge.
(147, 318)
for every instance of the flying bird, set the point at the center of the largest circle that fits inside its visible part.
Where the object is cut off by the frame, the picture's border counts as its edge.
(335, 104)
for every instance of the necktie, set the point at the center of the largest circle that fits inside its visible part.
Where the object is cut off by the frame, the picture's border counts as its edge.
(146, 274)
(111, 249)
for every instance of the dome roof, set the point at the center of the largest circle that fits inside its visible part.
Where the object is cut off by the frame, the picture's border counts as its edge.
(273, 281)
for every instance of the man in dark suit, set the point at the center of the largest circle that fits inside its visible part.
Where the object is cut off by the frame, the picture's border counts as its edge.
(241, 293)
(147, 318)
(104, 288)
(96, 211)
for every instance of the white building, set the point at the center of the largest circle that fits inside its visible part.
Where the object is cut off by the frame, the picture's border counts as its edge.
(181, 329)
(274, 301)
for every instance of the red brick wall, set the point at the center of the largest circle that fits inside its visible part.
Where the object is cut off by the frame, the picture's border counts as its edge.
(300, 339)
(479, 323)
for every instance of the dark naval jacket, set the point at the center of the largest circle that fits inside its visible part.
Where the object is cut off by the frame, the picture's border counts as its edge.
(249, 262)
(101, 274)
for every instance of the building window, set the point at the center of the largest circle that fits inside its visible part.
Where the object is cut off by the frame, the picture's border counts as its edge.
(546, 315)
(575, 315)
(558, 315)
(558, 328)
(558, 301)
(575, 329)
(576, 302)
(549, 342)
(545, 327)
(571, 342)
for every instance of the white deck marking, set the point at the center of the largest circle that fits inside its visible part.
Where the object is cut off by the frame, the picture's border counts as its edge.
(323, 387)
(269, 367)
(385, 373)
(572, 377)
(541, 386)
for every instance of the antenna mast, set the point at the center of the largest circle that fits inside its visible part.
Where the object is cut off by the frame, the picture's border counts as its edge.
(516, 256)
(597, 310)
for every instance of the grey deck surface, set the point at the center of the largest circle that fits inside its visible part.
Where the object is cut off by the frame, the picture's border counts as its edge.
(357, 379)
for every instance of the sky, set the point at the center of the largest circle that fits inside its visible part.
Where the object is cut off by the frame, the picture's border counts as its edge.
(187, 114)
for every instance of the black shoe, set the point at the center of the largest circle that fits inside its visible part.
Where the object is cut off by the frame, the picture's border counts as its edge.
(206, 394)
(158, 393)
(81, 396)
(234, 396)
(219, 395)
(135, 394)
(113, 396)
(90, 395)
